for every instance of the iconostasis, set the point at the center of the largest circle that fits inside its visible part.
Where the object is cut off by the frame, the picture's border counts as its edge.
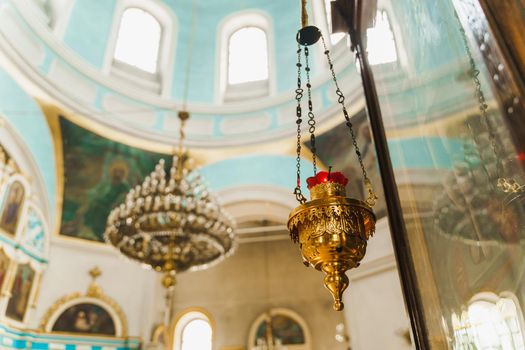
(24, 258)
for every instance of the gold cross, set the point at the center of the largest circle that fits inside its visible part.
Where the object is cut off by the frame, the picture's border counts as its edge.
(95, 273)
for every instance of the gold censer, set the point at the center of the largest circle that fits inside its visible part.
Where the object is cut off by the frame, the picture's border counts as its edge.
(332, 230)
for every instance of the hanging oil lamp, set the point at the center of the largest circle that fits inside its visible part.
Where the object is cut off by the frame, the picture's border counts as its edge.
(332, 230)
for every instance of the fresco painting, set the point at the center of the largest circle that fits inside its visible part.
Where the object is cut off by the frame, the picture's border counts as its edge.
(284, 328)
(98, 173)
(86, 318)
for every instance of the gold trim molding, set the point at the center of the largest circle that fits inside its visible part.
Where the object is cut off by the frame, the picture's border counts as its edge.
(93, 294)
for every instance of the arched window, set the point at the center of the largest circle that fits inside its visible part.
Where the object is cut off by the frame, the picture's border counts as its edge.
(247, 56)
(197, 335)
(381, 45)
(193, 330)
(138, 40)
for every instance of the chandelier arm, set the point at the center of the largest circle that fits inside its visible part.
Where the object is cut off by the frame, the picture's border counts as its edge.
(372, 197)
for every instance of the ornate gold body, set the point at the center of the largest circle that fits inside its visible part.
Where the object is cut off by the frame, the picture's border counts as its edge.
(332, 231)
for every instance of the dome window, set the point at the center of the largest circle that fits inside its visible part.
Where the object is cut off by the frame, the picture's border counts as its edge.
(140, 48)
(247, 56)
(138, 40)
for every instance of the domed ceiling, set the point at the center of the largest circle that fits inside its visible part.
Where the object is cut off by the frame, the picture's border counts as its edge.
(81, 56)
(94, 131)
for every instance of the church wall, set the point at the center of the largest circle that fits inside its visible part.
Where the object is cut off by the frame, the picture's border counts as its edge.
(89, 28)
(130, 285)
(258, 277)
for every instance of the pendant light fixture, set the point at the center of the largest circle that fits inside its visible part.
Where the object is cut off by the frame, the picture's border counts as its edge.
(332, 230)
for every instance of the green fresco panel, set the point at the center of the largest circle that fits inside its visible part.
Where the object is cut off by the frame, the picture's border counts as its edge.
(97, 175)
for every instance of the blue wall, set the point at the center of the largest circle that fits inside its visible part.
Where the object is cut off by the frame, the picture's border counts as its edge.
(91, 20)
(89, 28)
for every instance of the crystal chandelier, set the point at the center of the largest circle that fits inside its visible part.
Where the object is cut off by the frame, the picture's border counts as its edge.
(171, 222)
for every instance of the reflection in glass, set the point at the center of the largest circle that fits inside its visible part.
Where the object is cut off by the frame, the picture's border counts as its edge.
(489, 323)
(381, 46)
(456, 163)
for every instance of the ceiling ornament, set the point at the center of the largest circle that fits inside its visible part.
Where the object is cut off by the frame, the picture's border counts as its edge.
(332, 230)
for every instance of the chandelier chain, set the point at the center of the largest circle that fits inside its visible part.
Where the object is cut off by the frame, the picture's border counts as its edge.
(372, 197)
(311, 115)
(482, 103)
(299, 112)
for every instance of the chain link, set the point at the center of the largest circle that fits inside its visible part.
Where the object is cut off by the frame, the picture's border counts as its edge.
(372, 197)
(311, 116)
(299, 113)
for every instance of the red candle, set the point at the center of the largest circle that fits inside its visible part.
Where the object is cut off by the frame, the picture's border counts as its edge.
(325, 176)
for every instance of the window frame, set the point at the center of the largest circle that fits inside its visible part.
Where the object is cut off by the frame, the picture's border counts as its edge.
(226, 92)
(184, 318)
(340, 51)
(159, 49)
(228, 56)
(160, 82)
